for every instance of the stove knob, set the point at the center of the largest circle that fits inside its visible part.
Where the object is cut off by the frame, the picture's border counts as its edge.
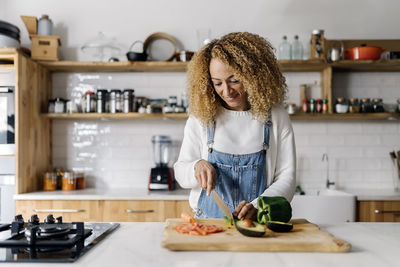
(59, 219)
(49, 219)
(18, 218)
(34, 219)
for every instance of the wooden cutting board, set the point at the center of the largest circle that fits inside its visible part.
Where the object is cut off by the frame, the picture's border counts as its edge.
(305, 237)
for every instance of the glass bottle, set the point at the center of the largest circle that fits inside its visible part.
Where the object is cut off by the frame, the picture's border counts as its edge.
(304, 106)
(318, 106)
(312, 105)
(297, 49)
(325, 106)
(285, 49)
(377, 105)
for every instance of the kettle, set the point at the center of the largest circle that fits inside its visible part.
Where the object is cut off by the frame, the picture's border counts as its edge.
(162, 150)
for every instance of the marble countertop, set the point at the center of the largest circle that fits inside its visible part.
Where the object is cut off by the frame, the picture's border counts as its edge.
(106, 194)
(138, 244)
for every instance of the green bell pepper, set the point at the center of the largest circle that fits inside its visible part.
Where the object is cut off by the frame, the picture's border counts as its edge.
(273, 209)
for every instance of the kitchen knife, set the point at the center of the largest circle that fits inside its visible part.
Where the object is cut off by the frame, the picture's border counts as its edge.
(221, 204)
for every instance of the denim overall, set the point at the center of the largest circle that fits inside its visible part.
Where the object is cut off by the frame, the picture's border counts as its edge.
(239, 177)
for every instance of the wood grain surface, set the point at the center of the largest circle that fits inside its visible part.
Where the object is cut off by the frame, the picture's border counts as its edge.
(305, 237)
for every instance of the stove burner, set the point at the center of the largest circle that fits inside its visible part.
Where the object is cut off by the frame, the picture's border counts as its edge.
(49, 241)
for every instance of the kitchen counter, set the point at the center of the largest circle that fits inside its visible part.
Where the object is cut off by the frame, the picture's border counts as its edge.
(138, 244)
(106, 194)
(375, 194)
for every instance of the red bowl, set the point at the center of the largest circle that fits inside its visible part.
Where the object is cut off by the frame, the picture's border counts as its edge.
(363, 53)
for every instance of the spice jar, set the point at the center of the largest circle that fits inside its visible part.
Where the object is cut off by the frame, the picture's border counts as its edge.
(318, 105)
(365, 106)
(101, 100)
(377, 105)
(90, 102)
(312, 105)
(129, 100)
(115, 101)
(59, 105)
(341, 105)
(325, 106)
(304, 106)
(49, 181)
(68, 181)
(80, 180)
(354, 106)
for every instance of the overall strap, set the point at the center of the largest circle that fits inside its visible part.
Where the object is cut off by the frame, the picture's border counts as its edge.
(210, 136)
(267, 130)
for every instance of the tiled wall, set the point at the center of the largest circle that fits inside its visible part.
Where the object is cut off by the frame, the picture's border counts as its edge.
(118, 153)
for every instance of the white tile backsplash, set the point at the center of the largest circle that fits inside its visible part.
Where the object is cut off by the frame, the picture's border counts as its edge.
(119, 153)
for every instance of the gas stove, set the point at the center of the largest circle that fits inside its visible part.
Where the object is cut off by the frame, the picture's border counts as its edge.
(50, 241)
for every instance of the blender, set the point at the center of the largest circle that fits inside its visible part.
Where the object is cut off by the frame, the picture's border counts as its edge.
(161, 176)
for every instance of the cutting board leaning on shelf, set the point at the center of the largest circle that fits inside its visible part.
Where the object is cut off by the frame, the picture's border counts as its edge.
(305, 237)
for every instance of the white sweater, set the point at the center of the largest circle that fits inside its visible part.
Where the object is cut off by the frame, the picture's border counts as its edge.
(237, 133)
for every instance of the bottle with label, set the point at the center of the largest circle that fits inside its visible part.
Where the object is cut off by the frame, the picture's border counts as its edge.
(285, 49)
(297, 49)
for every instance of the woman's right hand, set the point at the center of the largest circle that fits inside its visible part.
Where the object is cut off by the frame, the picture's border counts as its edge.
(205, 175)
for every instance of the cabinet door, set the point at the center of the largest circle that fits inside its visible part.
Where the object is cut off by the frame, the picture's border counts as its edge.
(138, 210)
(70, 210)
(182, 206)
(379, 211)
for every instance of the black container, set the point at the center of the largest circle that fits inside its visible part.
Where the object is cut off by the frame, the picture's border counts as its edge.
(101, 100)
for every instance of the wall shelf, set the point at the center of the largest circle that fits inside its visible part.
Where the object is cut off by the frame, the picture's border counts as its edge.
(184, 116)
(367, 65)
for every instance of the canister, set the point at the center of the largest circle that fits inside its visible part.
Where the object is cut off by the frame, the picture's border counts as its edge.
(45, 26)
(90, 102)
(129, 100)
(101, 96)
(59, 105)
(115, 101)
(49, 181)
(68, 181)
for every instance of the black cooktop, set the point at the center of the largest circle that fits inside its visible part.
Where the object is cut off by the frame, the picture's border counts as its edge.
(49, 241)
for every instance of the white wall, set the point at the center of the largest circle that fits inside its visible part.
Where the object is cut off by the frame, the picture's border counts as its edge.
(116, 154)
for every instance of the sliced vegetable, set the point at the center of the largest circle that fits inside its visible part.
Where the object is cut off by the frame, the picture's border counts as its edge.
(254, 230)
(187, 218)
(197, 229)
(273, 209)
(279, 226)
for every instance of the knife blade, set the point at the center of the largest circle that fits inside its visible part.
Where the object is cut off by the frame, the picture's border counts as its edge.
(221, 204)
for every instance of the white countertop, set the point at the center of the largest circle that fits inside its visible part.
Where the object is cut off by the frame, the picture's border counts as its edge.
(106, 194)
(179, 194)
(138, 244)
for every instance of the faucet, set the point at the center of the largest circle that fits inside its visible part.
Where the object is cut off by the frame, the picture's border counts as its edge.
(328, 183)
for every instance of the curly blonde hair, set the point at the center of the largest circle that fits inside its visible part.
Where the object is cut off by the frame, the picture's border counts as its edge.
(252, 61)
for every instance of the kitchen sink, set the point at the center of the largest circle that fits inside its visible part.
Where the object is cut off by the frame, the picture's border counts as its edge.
(325, 206)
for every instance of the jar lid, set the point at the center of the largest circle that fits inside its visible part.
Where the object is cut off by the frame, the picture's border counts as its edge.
(116, 90)
(312, 100)
(44, 16)
(129, 90)
(377, 100)
(317, 31)
(319, 100)
(340, 99)
(59, 99)
(291, 104)
(89, 93)
(324, 101)
(353, 99)
(365, 99)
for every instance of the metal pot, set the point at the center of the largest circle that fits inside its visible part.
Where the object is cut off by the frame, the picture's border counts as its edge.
(136, 56)
(364, 52)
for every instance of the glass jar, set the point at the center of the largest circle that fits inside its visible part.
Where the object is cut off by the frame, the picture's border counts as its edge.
(291, 108)
(90, 102)
(50, 107)
(325, 107)
(59, 105)
(354, 106)
(377, 104)
(101, 100)
(68, 181)
(129, 100)
(365, 106)
(80, 180)
(398, 105)
(115, 101)
(49, 181)
(341, 105)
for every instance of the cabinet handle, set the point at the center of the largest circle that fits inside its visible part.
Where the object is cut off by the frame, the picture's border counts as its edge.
(57, 210)
(138, 211)
(395, 212)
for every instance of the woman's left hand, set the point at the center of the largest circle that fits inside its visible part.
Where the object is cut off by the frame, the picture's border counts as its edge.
(245, 210)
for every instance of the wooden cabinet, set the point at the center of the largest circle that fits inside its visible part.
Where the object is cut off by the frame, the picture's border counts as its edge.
(378, 211)
(104, 210)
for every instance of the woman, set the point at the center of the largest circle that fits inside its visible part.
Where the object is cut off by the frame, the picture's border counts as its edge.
(238, 139)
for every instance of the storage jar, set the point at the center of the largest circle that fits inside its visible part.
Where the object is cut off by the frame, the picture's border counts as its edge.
(354, 106)
(49, 181)
(341, 105)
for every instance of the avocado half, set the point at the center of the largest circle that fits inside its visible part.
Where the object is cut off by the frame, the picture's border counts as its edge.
(257, 230)
(280, 227)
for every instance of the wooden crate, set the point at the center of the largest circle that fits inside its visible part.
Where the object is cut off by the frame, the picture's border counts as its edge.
(45, 47)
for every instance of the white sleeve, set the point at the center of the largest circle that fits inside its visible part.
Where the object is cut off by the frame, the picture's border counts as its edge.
(189, 155)
(284, 176)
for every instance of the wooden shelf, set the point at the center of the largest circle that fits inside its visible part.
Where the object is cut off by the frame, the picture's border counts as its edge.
(347, 116)
(184, 116)
(302, 65)
(367, 65)
(117, 116)
(123, 66)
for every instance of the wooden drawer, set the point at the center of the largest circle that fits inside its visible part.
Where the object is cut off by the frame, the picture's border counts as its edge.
(70, 210)
(378, 211)
(139, 210)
